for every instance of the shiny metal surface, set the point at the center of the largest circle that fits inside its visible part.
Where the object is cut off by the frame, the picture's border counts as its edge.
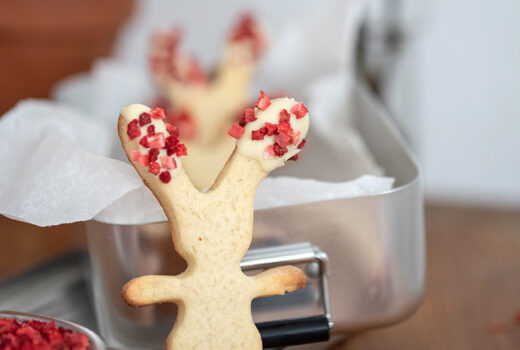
(375, 246)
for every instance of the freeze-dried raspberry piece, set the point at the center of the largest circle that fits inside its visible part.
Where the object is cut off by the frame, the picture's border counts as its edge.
(144, 119)
(171, 142)
(299, 110)
(285, 116)
(168, 162)
(249, 115)
(154, 168)
(172, 130)
(269, 152)
(295, 137)
(242, 122)
(157, 113)
(263, 101)
(259, 134)
(144, 161)
(153, 154)
(246, 30)
(158, 141)
(279, 150)
(165, 177)
(284, 128)
(8, 326)
(29, 333)
(236, 131)
(135, 157)
(283, 139)
(295, 157)
(272, 129)
(150, 131)
(133, 130)
(300, 146)
(37, 335)
(144, 142)
(181, 150)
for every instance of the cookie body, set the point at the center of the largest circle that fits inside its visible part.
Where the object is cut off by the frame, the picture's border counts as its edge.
(211, 231)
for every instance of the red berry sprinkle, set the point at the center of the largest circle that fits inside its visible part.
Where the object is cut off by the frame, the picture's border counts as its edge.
(263, 101)
(236, 131)
(272, 129)
(37, 335)
(144, 161)
(284, 116)
(181, 150)
(154, 168)
(172, 130)
(135, 155)
(269, 152)
(144, 142)
(249, 115)
(158, 141)
(300, 146)
(133, 129)
(284, 128)
(283, 139)
(157, 113)
(259, 134)
(279, 150)
(295, 157)
(153, 154)
(171, 142)
(168, 162)
(150, 131)
(144, 119)
(299, 110)
(242, 122)
(165, 177)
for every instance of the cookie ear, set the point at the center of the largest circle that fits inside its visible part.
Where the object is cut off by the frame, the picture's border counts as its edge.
(153, 149)
(267, 136)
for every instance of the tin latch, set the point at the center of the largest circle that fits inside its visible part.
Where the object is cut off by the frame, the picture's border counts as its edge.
(300, 317)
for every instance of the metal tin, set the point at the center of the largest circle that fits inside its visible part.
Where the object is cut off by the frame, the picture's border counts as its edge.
(374, 244)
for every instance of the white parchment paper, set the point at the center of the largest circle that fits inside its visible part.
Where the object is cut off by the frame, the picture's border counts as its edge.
(61, 160)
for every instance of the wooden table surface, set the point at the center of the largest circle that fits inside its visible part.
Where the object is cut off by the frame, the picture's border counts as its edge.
(472, 291)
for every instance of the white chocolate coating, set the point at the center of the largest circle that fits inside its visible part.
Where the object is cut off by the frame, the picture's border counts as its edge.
(131, 112)
(255, 149)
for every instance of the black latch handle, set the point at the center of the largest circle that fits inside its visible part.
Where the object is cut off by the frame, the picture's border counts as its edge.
(294, 331)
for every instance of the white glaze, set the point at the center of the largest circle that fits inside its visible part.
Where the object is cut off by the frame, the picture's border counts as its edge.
(255, 148)
(131, 112)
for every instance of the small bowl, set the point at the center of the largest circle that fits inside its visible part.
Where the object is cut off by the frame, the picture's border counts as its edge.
(94, 340)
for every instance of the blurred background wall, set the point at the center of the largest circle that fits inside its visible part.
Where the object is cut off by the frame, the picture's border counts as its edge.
(451, 75)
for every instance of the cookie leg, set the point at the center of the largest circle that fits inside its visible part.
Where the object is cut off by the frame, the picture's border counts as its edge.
(146, 290)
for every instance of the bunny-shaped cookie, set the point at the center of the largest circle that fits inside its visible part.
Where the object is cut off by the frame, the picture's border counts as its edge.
(208, 106)
(213, 230)
(215, 103)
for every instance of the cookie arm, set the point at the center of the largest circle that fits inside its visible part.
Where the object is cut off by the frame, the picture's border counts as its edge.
(146, 290)
(278, 281)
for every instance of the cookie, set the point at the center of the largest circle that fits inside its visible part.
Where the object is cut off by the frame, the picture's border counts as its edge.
(210, 104)
(213, 230)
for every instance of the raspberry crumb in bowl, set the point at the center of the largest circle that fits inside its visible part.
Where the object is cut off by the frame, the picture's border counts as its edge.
(34, 332)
